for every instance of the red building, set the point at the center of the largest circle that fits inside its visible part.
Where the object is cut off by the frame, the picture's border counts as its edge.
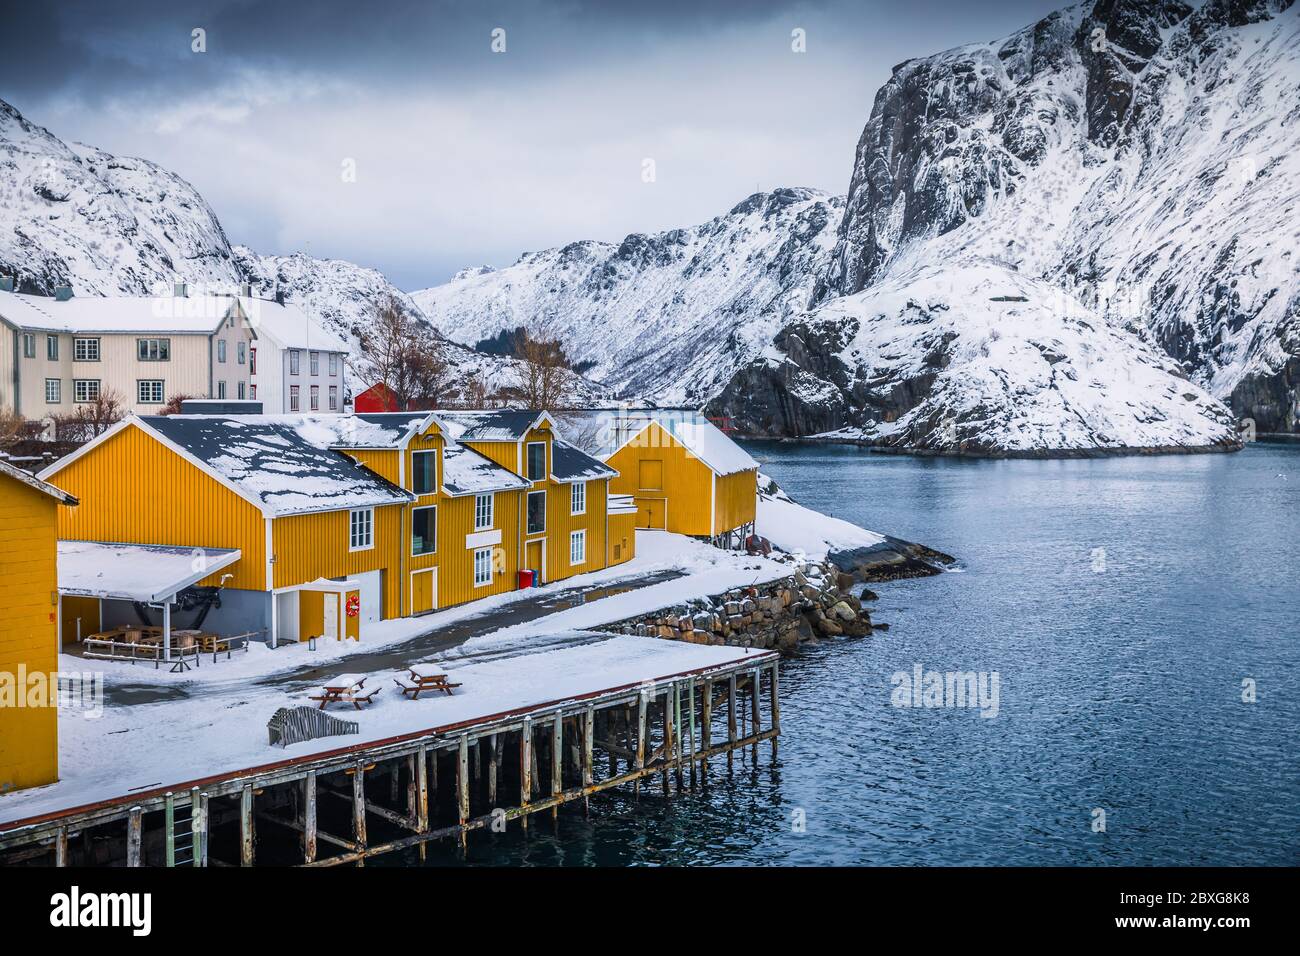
(377, 398)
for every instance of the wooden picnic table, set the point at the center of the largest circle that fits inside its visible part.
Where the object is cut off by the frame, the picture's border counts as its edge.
(345, 689)
(422, 677)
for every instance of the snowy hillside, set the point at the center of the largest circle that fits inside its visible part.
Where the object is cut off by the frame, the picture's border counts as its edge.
(1144, 156)
(668, 316)
(72, 215)
(974, 359)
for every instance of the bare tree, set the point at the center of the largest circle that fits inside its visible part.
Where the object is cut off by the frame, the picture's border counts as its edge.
(406, 355)
(173, 406)
(91, 419)
(546, 379)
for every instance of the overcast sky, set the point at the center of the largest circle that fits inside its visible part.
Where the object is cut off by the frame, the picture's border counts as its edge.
(464, 155)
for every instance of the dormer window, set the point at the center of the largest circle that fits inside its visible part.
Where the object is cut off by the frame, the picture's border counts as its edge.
(536, 461)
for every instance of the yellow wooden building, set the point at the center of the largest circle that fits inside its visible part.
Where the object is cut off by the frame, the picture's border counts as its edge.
(342, 520)
(683, 472)
(29, 642)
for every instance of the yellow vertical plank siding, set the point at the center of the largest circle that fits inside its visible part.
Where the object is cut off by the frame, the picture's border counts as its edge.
(456, 562)
(29, 747)
(504, 453)
(735, 500)
(135, 490)
(78, 609)
(561, 522)
(382, 461)
(622, 538)
(313, 546)
(687, 483)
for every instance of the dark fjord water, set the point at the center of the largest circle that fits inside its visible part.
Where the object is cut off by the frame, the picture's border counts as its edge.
(1120, 688)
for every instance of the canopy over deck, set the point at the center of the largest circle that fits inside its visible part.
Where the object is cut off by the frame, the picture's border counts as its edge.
(149, 573)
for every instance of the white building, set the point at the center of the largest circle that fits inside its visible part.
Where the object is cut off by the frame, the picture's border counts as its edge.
(297, 364)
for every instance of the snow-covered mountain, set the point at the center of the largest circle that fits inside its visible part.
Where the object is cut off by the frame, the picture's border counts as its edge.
(1141, 155)
(102, 224)
(669, 316)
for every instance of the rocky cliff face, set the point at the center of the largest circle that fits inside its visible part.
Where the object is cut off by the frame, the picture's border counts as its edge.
(1141, 156)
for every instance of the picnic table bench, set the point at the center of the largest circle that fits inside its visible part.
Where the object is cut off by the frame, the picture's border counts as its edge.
(422, 677)
(345, 689)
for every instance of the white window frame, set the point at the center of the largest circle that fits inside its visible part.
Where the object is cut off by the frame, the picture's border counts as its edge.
(241, 390)
(578, 547)
(334, 363)
(528, 497)
(484, 512)
(140, 384)
(82, 349)
(295, 399)
(153, 350)
(313, 362)
(76, 391)
(482, 556)
(313, 398)
(528, 461)
(578, 498)
(241, 353)
(434, 549)
(221, 350)
(29, 345)
(361, 529)
(334, 398)
(415, 470)
(51, 348)
(58, 391)
(295, 362)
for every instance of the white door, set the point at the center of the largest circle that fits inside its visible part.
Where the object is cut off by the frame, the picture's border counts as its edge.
(372, 595)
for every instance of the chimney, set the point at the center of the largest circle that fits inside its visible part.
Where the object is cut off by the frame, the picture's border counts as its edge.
(62, 293)
(180, 290)
(6, 283)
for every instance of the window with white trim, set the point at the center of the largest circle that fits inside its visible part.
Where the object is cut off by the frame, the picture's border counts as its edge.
(293, 398)
(85, 389)
(314, 362)
(29, 345)
(424, 530)
(315, 398)
(241, 352)
(221, 350)
(295, 360)
(334, 398)
(482, 512)
(153, 350)
(536, 460)
(536, 512)
(149, 391)
(334, 363)
(361, 529)
(221, 390)
(52, 347)
(424, 472)
(241, 391)
(578, 498)
(53, 391)
(577, 547)
(482, 567)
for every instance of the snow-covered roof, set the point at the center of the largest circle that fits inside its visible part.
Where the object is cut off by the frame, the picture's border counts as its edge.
(621, 505)
(135, 572)
(573, 464)
(366, 430)
(466, 472)
(27, 478)
(289, 326)
(497, 424)
(268, 460)
(179, 315)
(616, 427)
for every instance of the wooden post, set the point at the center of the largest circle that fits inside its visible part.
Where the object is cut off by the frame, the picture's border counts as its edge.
(677, 734)
(690, 709)
(588, 775)
(309, 824)
(731, 718)
(134, 820)
(557, 765)
(412, 795)
(775, 706)
(359, 806)
(61, 846)
(199, 827)
(462, 785)
(668, 734)
(246, 826)
(643, 701)
(755, 721)
(169, 822)
(494, 765)
(706, 729)
(611, 721)
(525, 768)
(422, 791)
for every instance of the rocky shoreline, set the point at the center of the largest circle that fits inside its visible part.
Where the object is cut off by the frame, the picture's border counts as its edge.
(1001, 454)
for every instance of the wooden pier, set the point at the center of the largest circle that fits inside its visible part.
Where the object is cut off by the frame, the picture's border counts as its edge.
(488, 773)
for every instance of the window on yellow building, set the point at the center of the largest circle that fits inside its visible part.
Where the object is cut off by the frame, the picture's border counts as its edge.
(536, 461)
(424, 472)
(482, 512)
(424, 530)
(361, 529)
(577, 547)
(578, 495)
(482, 567)
(536, 512)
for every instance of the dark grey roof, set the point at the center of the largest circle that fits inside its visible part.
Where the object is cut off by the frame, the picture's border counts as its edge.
(573, 464)
(270, 462)
(498, 424)
(466, 472)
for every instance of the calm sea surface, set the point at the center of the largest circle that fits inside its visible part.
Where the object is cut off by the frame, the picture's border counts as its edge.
(1120, 680)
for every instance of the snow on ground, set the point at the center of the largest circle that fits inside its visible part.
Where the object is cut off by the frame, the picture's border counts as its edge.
(220, 724)
(792, 527)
